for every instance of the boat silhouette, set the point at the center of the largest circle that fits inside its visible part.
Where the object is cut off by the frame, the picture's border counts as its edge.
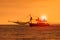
(39, 22)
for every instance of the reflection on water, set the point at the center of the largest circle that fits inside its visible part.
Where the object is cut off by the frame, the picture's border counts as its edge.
(22, 32)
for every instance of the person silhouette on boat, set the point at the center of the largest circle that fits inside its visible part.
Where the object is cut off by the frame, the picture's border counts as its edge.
(38, 20)
(30, 19)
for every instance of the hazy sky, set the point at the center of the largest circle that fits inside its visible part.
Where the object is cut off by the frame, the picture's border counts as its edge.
(20, 10)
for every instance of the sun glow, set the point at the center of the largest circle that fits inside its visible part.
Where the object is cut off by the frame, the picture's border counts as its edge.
(43, 17)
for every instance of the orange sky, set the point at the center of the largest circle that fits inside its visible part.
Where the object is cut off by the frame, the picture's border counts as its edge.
(20, 9)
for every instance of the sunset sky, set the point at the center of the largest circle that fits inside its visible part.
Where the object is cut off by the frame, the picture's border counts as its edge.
(20, 9)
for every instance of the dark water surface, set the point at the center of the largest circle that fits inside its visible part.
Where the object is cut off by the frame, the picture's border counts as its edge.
(23, 32)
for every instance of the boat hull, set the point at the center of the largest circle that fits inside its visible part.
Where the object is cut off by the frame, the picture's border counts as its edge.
(41, 24)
